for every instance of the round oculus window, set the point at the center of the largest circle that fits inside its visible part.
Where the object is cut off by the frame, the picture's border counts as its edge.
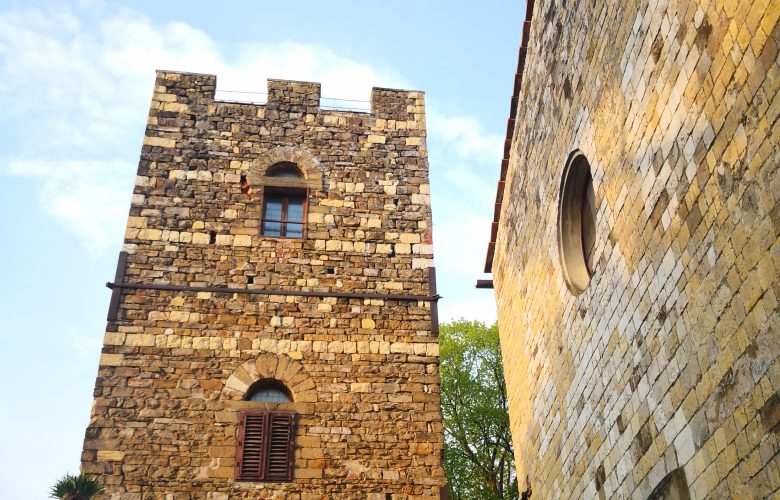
(577, 223)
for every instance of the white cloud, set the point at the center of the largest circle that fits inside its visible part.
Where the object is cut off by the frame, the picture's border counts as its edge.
(85, 347)
(464, 169)
(460, 242)
(75, 85)
(478, 306)
(467, 136)
(93, 80)
(91, 72)
(467, 160)
(90, 198)
(79, 89)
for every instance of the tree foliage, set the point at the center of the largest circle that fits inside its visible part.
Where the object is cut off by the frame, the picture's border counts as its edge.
(81, 487)
(478, 455)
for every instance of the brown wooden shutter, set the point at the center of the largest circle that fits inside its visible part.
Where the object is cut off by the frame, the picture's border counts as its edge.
(251, 453)
(281, 433)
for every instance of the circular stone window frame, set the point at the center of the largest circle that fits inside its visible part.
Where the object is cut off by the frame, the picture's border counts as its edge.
(576, 185)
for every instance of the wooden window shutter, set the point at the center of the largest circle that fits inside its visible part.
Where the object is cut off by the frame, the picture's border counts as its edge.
(250, 456)
(280, 447)
(265, 446)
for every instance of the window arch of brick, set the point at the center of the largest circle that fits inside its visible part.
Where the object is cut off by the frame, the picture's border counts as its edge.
(288, 371)
(261, 170)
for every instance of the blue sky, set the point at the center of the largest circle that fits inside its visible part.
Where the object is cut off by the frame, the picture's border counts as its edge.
(75, 84)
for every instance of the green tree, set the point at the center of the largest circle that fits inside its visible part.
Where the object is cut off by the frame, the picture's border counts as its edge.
(478, 456)
(81, 487)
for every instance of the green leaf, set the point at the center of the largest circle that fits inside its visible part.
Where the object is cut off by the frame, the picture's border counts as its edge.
(478, 455)
(81, 487)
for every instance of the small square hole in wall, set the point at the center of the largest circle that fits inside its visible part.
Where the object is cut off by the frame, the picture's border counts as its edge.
(212, 237)
(250, 280)
(330, 270)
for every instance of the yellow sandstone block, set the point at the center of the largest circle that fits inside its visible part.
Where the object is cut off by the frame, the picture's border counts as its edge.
(176, 107)
(200, 238)
(162, 97)
(139, 340)
(410, 238)
(110, 455)
(139, 222)
(150, 234)
(403, 248)
(180, 316)
(114, 338)
(111, 359)
(242, 240)
(160, 142)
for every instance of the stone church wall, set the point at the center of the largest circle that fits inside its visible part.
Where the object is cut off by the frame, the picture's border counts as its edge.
(668, 360)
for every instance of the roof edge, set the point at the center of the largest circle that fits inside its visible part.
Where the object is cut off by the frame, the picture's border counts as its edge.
(510, 128)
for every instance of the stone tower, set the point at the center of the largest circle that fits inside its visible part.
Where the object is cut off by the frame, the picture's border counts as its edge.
(272, 330)
(636, 248)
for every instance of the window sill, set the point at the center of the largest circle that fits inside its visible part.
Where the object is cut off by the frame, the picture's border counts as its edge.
(269, 237)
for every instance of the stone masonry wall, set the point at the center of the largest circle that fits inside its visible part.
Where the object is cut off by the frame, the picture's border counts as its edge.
(363, 372)
(669, 358)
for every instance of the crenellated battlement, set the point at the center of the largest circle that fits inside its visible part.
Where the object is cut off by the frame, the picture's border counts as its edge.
(195, 93)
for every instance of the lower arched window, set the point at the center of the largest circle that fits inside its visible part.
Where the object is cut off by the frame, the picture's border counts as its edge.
(266, 439)
(268, 391)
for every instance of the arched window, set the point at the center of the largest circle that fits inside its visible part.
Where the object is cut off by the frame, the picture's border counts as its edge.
(284, 204)
(268, 391)
(266, 439)
(284, 170)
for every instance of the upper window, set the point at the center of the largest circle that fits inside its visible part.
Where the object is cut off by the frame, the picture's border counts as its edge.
(283, 213)
(577, 223)
(284, 208)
